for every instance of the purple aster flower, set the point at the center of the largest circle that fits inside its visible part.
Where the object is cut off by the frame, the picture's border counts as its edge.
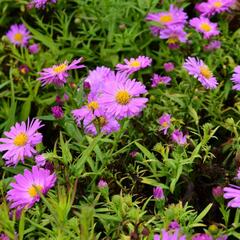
(34, 48)
(234, 193)
(202, 236)
(172, 235)
(102, 184)
(174, 34)
(158, 193)
(157, 79)
(175, 16)
(174, 225)
(217, 191)
(58, 74)
(121, 97)
(104, 122)
(165, 122)
(40, 3)
(18, 35)
(212, 7)
(213, 45)
(57, 112)
(156, 237)
(200, 70)
(24, 69)
(203, 25)
(40, 160)
(134, 64)
(168, 67)
(224, 237)
(98, 77)
(20, 141)
(24, 192)
(4, 237)
(178, 137)
(236, 78)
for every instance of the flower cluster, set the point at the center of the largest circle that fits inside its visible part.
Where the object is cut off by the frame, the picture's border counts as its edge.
(40, 3)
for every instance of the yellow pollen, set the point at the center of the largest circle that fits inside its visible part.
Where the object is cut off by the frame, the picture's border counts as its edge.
(93, 105)
(172, 40)
(135, 63)
(18, 37)
(204, 70)
(205, 27)
(123, 97)
(165, 124)
(166, 18)
(21, 139)
(217, 4)
(60, 68)
(32, 191)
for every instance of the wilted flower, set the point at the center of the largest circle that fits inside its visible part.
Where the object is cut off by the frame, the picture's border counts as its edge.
(168, 67)
(57, 112)
(158, 193)
(121, 97)
(24, 69)
(174, 225)
(24, 192)
(133, 153)
(20, 141)
(40, 160)
(18, 35)
(213, 45)
(157, 79)
(202, 236)
(34, 48)
(4, 237)
(234, 193)
(134, 64)
(102, 184)
(165, 122)
(212, 7)
(40, 3)
(217, 191)
(58, 74)
(203, 25)
(197, 68)
(178, 137)
(236, 78)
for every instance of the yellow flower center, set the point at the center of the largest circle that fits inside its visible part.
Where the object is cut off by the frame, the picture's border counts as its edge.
(172, 40)
(217, 4)
(101, 121)
(123, 97)
(135, 63)
(204, 70)
(18, 37)
(32, 191)
(60, 68)
(205, 27)
(165, 124)
(166, 18)
(93, 105)
(20, 140)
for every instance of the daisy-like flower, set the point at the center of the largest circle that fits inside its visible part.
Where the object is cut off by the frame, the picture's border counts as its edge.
(18, 35)
(98, 77)
(175, 16)
(58, 74)
(212, 7)
(89, 111)
(25, 190)
(20, 141)
(157, 79)
(104, 123)
(121, 97)
(201, 71)
(236, 78)
(232, 192)
(178, 137)
(40, 3)
(165, 122)
(134, 64)
(213, 45)
(205, 26)
(174, 34)
(170, 235)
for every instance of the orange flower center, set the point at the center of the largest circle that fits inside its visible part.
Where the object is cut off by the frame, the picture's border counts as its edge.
(123, 97)
(60, 68)
(20, 140)
(205, 27)
(166, 18)
(33, 190)
(217, 4)
(18, 37)
(165, 124)
(204, 70)
(135, 63)
(93, 105)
